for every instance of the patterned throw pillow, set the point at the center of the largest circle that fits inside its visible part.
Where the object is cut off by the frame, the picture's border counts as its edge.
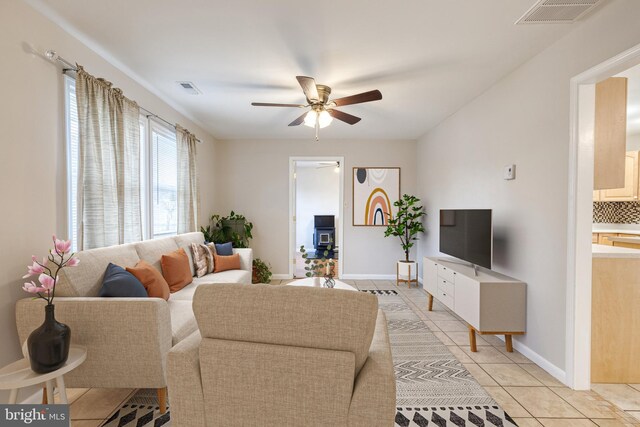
(212, 251)
(202, 259)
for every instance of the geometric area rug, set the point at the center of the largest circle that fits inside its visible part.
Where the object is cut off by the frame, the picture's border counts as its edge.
(432, 387)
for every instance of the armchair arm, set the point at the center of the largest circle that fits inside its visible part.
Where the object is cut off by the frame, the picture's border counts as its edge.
(246, 258)
(127, 338)
(373, 402)
(185, 383)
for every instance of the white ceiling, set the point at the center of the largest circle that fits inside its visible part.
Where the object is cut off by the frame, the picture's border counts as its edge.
(427, 57)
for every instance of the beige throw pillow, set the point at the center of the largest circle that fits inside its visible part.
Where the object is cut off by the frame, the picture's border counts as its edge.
(202, 259)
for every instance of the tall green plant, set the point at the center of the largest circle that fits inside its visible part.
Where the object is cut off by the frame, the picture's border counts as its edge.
(219, 230)
(407, 223)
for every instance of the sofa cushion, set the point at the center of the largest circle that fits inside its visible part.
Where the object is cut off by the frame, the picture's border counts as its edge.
(183, 321)
(184, 241)
(202, 259)
(85, 280)
(230, 276)
(225, 263)
(224, 249)
(175, 269)
(118, 282)
(151, 279)
(152, 250)
(231, 312)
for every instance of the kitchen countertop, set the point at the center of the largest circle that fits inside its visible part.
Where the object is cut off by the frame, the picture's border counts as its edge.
(616, 230)
(605, 251)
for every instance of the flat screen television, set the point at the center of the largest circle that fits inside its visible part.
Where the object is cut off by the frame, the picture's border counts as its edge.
(467, 234)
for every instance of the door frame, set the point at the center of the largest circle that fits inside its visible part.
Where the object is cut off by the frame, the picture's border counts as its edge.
(580, 215)
(292, 209)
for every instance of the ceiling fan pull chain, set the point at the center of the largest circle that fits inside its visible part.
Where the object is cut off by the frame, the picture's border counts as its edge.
(317, 127)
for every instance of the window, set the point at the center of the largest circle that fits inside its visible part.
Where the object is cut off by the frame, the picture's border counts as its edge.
(158, 172)
(164, 181)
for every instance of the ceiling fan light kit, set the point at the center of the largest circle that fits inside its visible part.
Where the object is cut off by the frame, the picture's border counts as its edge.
(322, 110)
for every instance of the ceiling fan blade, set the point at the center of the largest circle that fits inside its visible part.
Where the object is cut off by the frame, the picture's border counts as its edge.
(269, 104)
(372, 95)
(347, 118)
(299, 120)
(309, 88)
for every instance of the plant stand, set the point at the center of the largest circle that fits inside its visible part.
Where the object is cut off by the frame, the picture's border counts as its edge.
(405, 272)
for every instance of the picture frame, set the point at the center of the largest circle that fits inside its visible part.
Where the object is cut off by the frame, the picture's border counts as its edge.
(374, 191)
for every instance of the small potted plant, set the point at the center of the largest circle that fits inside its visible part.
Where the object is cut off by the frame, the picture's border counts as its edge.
(48, 345)
(261, 272)
(319, 267)
(406, 225)
(232, 228)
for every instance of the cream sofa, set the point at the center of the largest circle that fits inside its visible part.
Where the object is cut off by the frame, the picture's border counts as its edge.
(283, 356)
(127, 338)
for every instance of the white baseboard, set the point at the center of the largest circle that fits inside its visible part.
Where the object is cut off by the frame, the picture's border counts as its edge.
(356, 276)
(552, 369)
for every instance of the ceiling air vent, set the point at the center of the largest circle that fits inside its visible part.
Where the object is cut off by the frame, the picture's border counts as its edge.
(190, 88)
(557, 11)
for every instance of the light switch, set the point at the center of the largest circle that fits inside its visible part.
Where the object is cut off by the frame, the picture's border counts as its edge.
(510, 172)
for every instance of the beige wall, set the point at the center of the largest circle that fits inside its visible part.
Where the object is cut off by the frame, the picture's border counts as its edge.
(252, 178)
(523, 119)
(32, 163)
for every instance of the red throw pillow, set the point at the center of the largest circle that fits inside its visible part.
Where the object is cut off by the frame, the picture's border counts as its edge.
(224, 263)
(151, 279)
(176, 270)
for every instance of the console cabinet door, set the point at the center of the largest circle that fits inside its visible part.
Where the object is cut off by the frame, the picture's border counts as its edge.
(430, 276)
(467, 300)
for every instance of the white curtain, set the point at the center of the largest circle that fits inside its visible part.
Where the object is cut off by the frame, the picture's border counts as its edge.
(188, 196)
(109, 211)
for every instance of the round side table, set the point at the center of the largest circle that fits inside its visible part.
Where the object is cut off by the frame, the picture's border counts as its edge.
(19, 375)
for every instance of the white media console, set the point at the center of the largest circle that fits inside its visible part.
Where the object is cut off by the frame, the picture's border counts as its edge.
(490, 303)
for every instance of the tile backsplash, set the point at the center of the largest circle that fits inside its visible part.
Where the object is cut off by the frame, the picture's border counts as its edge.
(616, 212)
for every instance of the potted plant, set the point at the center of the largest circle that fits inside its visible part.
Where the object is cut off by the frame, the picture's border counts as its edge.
(48, 345)
(406, 225)
(319, 267)
(261, 272)
(233, 228)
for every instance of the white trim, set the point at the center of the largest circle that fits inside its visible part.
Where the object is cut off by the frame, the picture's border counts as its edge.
(356, 276)
(578, 346)
(292, 210)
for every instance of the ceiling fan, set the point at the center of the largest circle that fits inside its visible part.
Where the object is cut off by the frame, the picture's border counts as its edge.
(322, 110)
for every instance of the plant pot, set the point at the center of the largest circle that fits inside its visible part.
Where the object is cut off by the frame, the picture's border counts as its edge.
(49, 344)
(235, 225)
(316, 281)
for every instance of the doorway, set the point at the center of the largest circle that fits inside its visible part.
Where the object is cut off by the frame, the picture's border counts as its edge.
(316, 211)
(580, 221)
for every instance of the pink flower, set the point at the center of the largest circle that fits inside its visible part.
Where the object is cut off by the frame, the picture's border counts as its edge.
(35, 268)
(47, 281)
(62, 246)
(72, 262)
(32, 288)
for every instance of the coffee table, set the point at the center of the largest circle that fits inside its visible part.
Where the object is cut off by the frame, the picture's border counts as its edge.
(309, 281)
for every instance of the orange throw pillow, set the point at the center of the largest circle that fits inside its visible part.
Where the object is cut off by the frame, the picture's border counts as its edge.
(176, 270)
(151, 279)
(224, 263)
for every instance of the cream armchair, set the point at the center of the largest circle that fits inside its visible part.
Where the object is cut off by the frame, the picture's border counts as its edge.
(283, 356)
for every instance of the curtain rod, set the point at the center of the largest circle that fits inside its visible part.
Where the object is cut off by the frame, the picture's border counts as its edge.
(68, 66)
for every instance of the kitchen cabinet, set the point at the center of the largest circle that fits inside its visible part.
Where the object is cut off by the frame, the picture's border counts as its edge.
(631, 190)
(610, 134)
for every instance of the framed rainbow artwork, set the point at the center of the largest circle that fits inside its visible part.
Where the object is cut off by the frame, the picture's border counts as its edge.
(374, 192)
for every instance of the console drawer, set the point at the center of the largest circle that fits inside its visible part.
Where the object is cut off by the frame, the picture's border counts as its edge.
(446, 299)
(446, 287)
(446, 273)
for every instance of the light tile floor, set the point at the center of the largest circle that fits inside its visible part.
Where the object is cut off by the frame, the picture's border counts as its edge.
(523, 389)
